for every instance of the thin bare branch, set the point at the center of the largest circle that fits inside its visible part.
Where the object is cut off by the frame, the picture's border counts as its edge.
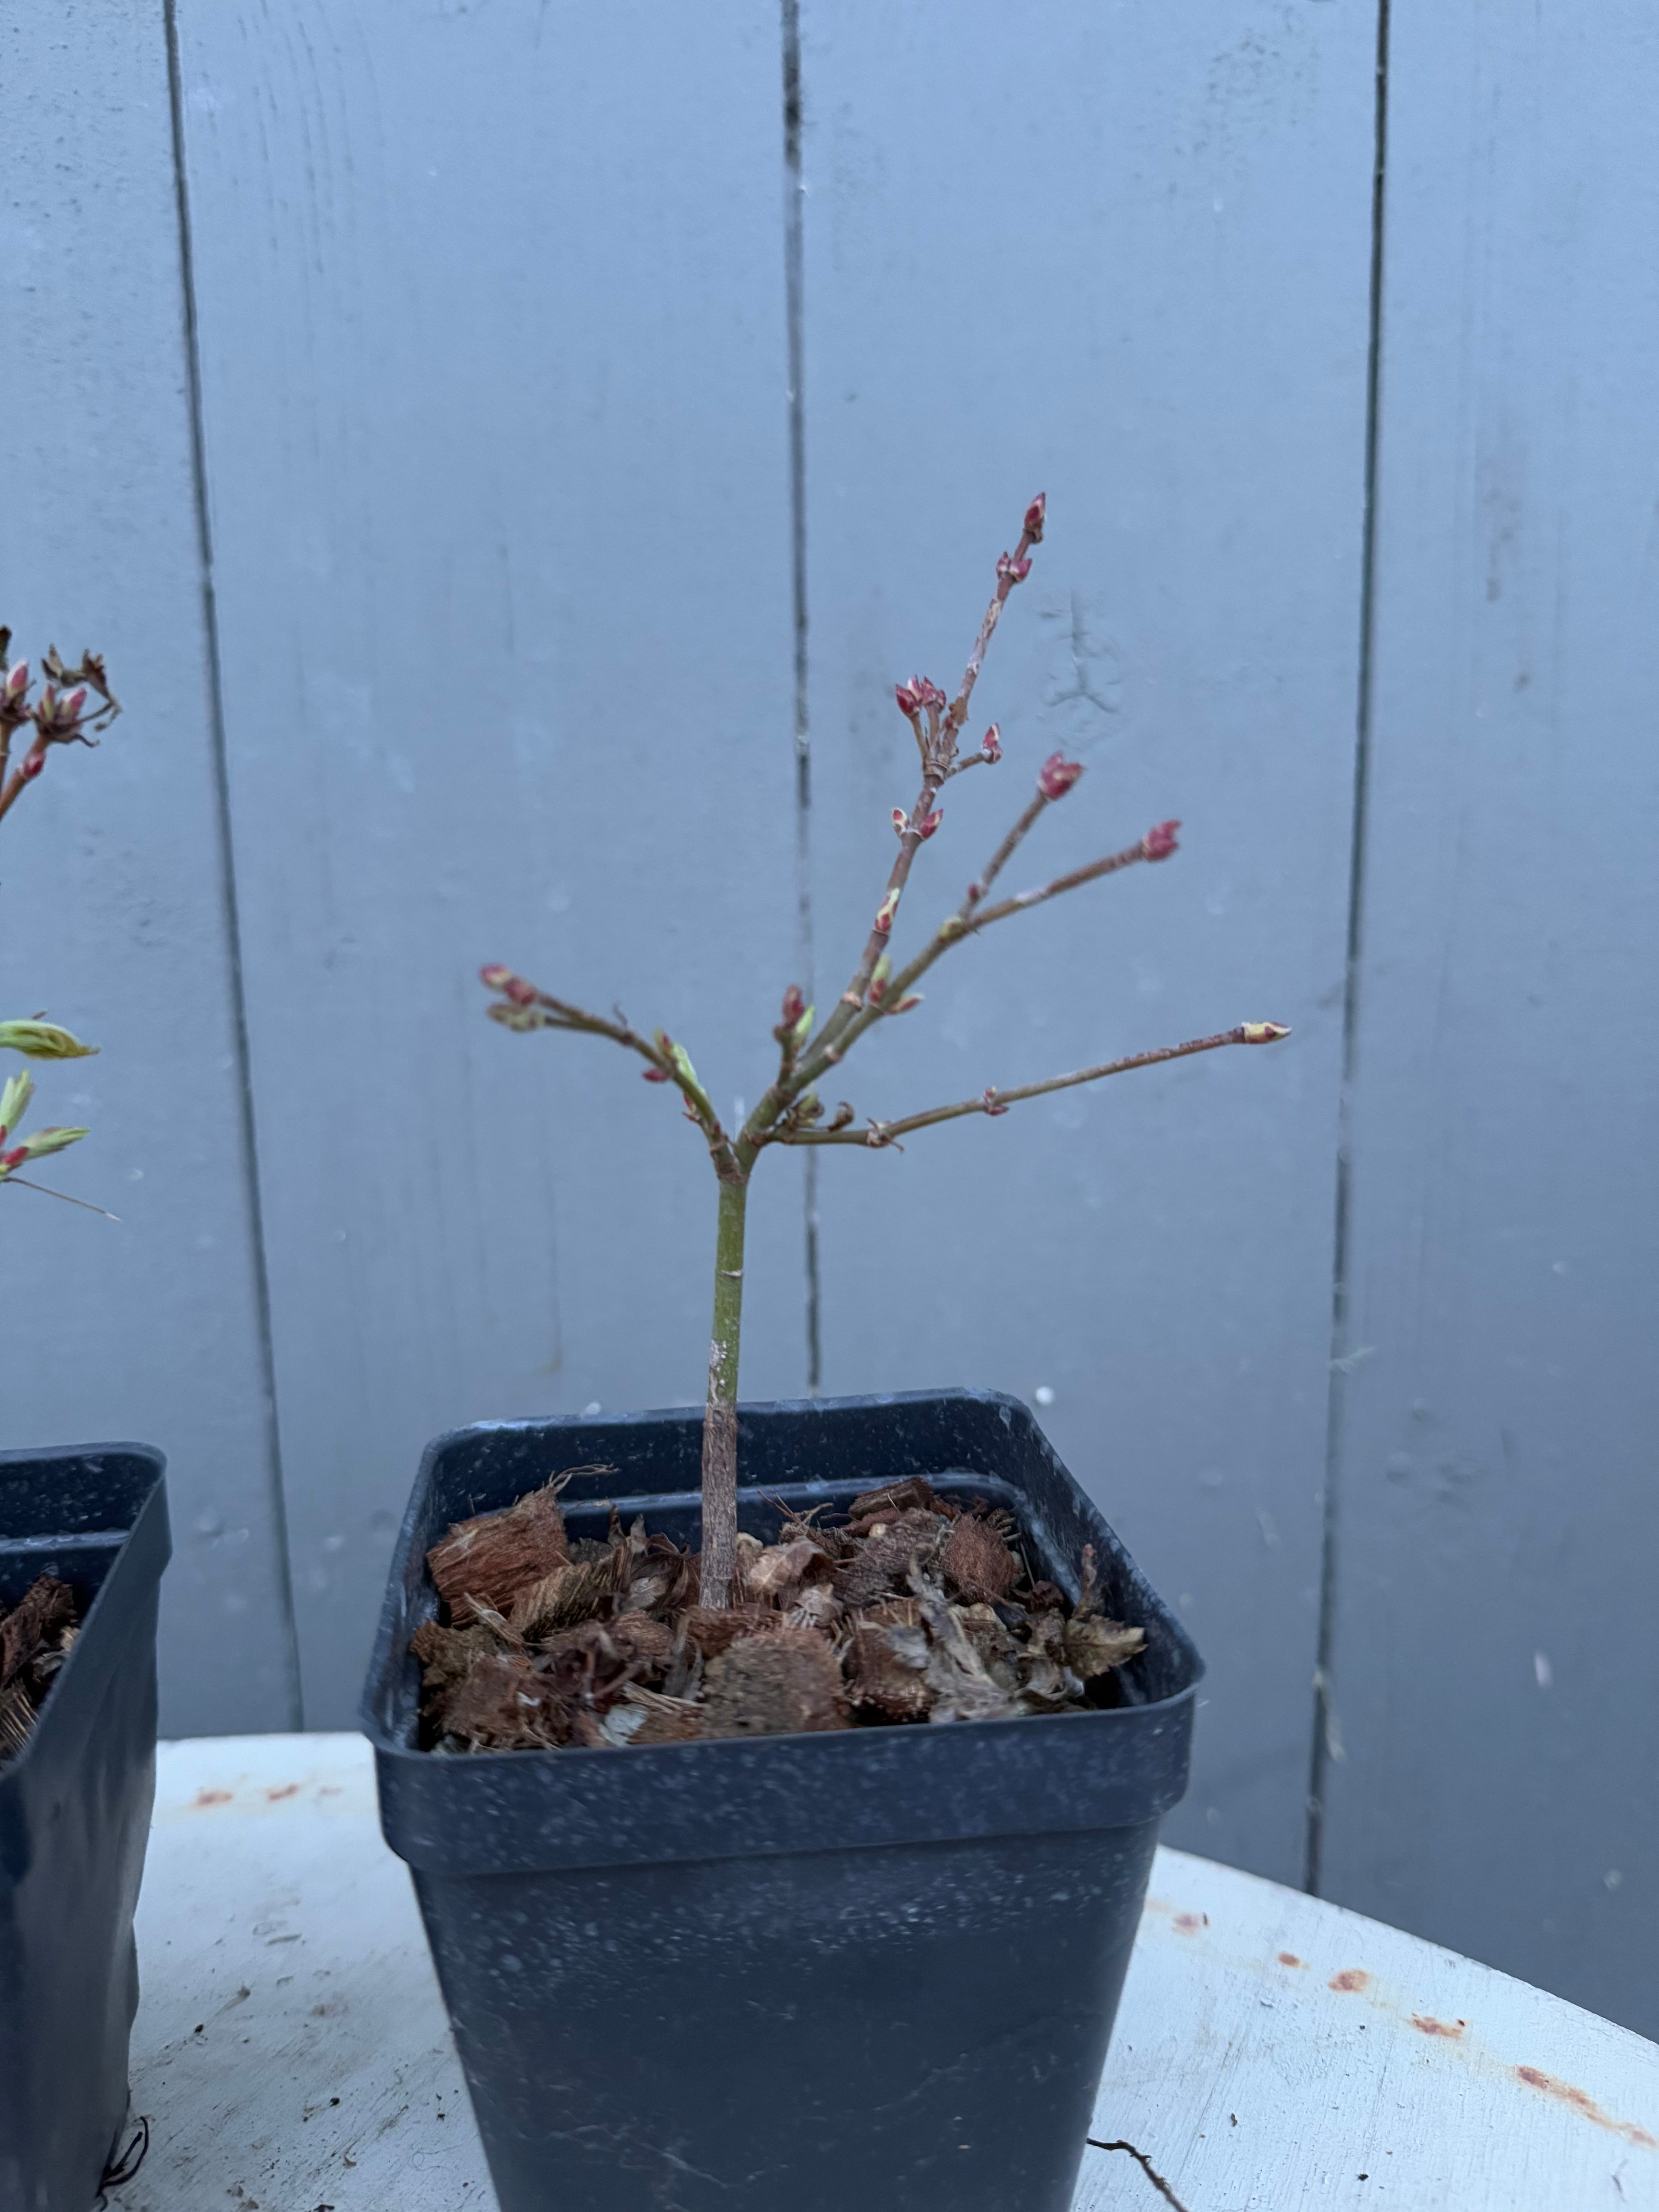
(85, 1205)
(936, 735)
(1023, 901)
(971, 918)
(993, 1101)
(524, 1006)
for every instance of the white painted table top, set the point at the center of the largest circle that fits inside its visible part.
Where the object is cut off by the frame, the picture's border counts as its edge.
(1271, 2050)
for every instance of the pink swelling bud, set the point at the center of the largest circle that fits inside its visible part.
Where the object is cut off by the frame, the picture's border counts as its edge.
(521, 993)
(1261, 1032)
(31, 765)
(1010, 571)
(495, 978)
(1160, 842)
(990, 1102)
(990, 745)
(1057, 775)
(920, 691)
(1034, 514)
(17, 680)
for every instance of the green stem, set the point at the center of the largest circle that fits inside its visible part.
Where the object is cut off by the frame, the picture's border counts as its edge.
(719, 1426)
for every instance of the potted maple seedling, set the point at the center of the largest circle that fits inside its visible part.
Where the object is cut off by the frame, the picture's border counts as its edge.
(83, 1539)
(780, 1784)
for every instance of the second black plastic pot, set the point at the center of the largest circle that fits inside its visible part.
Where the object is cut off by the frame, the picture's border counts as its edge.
(871, 1968)
(75, 1807)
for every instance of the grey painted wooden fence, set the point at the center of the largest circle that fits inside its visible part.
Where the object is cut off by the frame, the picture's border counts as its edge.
(508, 453)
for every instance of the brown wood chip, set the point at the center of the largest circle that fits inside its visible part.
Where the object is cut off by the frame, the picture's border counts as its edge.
(976, 1563)
(45, 1607)
(782, 1683)
(887, 1672)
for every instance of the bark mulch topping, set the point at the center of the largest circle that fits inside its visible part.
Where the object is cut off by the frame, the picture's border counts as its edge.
(35, 1638)
(915, 1608)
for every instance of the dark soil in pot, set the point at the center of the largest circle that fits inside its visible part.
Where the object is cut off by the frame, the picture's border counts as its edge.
(86, 1531)
(850, 1963)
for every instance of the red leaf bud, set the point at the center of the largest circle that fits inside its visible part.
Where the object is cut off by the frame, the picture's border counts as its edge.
(31, 765)
(926, 828)
(1034, 514)
(14, 1159)
(901, 821)
(1010, 571)
(17, 680)
(991, 1105)
(908, 702)
(1057, 775)
(1160, 842)
(521, 993)
(655, 1075)
(912, 999)
(794, 1005)
(990, 745)
(885, 914)
(975, 893)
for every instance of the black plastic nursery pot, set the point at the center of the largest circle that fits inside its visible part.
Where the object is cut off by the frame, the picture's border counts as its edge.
(75, 1807)
(874, 1967)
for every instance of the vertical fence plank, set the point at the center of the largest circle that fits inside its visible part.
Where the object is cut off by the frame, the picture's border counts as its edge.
(112, 882)
(1495, 1668)
(1119, 253)
(493, 333)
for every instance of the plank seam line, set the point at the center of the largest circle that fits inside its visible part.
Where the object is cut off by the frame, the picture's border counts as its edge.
(793, 274)
(229, 905)
(1325, 1743)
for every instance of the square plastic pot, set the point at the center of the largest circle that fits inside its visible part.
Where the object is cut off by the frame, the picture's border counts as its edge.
(75, 1807)
(872, 1967)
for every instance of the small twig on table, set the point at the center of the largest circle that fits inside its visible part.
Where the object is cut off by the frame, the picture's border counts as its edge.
(1146, 2165)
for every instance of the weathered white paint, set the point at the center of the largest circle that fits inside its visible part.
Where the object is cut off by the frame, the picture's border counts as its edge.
(1120, 254)
(283, 1966)
(1273, 2050)
(497, 432)
(1495, 1668)
(291, 2047)
(112, 869)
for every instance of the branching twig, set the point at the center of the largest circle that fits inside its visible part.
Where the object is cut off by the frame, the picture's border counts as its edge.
(790, 1110)
(523, 1005)
(993, 1101)
(971, 917)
